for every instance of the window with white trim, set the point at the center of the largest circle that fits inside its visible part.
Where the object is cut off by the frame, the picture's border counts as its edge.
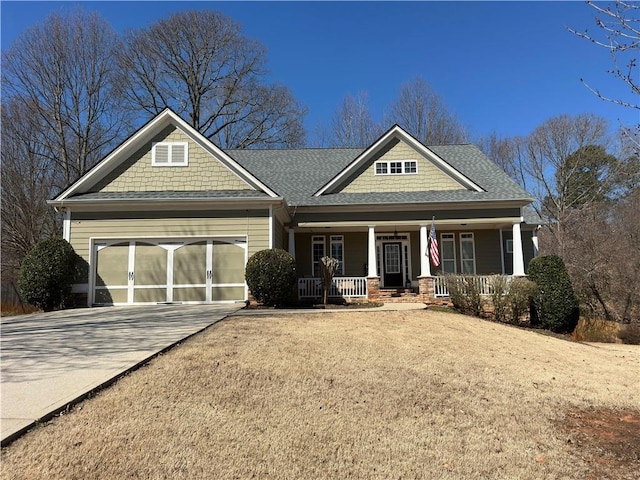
(317, 252)
(467, 254)
(400, 167)
(509, 245)
(169, 154)
(448, 252)
(337, 252)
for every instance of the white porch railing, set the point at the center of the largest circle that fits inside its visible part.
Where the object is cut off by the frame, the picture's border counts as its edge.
(485, 282)
(340, 287)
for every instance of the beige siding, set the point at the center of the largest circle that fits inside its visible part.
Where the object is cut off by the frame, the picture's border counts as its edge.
(428, 177)
(204, 171)
(255, 224)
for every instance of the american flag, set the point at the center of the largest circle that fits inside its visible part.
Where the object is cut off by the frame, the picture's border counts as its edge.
(433, 244)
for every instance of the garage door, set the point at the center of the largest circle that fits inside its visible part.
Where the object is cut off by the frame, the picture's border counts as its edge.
(161, 271)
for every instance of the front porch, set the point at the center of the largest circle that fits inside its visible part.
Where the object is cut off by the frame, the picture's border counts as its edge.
(357, 288)
(391, 261)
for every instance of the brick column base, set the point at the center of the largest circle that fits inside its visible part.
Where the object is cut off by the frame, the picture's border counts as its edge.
(373, 288)
(426, 289)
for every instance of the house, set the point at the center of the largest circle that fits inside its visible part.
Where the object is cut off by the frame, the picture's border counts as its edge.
(169, 217)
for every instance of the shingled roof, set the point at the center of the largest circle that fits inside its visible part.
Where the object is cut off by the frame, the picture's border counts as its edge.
(296, 174)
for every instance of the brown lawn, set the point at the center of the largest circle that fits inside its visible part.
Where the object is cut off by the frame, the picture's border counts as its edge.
(353, 395)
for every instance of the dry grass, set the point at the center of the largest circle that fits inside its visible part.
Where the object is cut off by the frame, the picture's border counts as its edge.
(341, 395)
(596, 330)
(11, 309)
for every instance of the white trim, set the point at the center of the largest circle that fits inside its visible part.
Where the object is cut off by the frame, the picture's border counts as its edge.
(518, 257)
(405, 244)
(396, 132)
(534, 240)
(144, 135)
(388, 163)
(473, 244)
(317, 240)
(372, 268)
(271, 231)
(409, 223)
(425, 264)
(452, 239)
(170, 162)
(66, 225)
(342, 260)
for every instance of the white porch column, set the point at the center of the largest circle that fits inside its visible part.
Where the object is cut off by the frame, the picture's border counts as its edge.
(425, 266)
(534, 239)
(518, 258)
(292, 242)
(372, 271)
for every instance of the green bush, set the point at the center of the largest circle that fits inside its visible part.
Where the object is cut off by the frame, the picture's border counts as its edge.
(271, 277)
(47, 274)
(464, 292)
(554, 305)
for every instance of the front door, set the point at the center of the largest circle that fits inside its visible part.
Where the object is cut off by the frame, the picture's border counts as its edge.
(392, 264)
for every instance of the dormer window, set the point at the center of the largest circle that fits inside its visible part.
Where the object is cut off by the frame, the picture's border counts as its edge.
(401, 167)
(169, 154)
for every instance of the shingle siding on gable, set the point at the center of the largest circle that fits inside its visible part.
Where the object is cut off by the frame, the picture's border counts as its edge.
(429, 177)
(204, 172)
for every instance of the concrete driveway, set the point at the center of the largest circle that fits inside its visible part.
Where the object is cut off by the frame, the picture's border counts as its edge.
(50, 360)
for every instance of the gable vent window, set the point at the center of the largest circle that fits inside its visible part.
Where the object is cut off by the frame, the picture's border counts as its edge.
(404, 167)
(169, 154)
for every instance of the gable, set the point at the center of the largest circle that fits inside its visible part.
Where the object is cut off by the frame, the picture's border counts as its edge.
(202, 172)
(396, 136)
(427, 176)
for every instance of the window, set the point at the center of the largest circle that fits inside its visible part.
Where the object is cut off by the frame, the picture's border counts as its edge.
(509, 245)
(317, 252)
(467, 253)
(169, 154)
(337, 252)
(448, 252)
(397, 167)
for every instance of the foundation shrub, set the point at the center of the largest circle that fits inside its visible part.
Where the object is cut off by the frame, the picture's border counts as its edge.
(46, 274)
(519, 297)
(271, 277)
(554, 305)
(499, 297)
(464, 292)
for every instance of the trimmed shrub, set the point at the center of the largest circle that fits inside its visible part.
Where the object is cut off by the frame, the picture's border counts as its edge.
(271, 277)
(464, 292)
(47, 274)
(554, 305)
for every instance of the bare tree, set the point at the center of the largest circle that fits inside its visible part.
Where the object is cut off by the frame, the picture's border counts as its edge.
(619, 33)
(423, 113)
(352, 124)
(63, 69)
(199, 64)
(505, 152)
(603, 258)
(27, 182)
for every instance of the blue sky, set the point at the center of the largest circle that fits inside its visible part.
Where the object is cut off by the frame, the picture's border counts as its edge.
(503, 66)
